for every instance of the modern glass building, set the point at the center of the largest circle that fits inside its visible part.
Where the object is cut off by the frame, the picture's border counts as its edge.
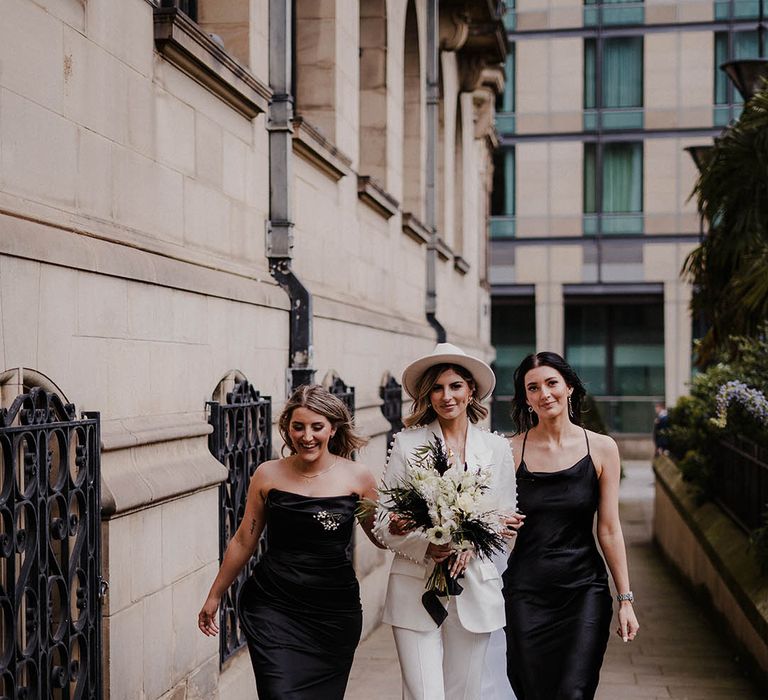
(592, 216)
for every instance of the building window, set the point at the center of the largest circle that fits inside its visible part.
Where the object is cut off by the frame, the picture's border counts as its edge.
(619, 102)
(503, 194)
(513, 334)
(617, 348)
(505, 102)
(607, 12)
(737, 9)
(188, 7)
(619, 206)
(727, 99)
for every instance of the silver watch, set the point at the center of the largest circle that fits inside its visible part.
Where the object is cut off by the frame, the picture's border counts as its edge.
(626, 596)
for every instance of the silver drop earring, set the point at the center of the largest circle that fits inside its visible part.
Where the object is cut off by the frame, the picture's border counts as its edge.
(530, 409)
(570, 406)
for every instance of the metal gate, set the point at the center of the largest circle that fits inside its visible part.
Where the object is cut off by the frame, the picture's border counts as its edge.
(346, 393)
(241, 440)
(391, 393)
(50, 550)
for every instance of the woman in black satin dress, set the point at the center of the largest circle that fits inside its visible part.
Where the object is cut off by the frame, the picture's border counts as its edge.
(558, 602)
(300, 610)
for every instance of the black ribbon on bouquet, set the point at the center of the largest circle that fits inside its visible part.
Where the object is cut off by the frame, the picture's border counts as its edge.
(431, 599)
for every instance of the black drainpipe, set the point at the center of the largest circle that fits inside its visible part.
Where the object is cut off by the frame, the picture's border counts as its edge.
(279, 242)
(433, 101)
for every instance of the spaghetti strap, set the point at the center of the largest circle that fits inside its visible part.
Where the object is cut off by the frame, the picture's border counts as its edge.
(522, 453)
(587, 439)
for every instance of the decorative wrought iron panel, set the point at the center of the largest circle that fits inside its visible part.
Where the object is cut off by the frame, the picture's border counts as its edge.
(391, 393)
(344, 392)
(241, 440)
(50, 550)
(742, 478)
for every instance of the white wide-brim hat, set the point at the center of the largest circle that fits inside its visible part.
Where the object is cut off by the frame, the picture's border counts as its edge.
(448, 354)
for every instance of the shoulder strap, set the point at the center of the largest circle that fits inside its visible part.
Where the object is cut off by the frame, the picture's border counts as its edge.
(587, 439)
(522, 453)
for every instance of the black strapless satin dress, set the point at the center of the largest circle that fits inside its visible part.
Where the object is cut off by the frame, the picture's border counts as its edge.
(558, 602)
(300, 610)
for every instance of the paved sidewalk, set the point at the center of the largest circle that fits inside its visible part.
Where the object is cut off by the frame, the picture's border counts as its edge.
(678, 653)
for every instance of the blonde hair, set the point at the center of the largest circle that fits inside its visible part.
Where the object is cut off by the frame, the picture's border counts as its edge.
(421, 408)
(318, 399)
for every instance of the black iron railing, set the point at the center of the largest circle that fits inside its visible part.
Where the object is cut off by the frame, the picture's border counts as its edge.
(241, 440)
(50, 550)
(742, 481)
(346, 393)
(391, 393)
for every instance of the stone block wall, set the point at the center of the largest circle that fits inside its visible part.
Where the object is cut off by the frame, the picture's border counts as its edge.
(133, 204)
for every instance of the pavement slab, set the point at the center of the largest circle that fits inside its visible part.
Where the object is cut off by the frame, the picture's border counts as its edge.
(679, 653)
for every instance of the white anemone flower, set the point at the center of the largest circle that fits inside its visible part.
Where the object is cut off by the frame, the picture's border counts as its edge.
(438, 535)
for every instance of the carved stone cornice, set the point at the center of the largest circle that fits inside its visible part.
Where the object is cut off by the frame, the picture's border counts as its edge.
(470, 71)
(454, 28)
(486, 34)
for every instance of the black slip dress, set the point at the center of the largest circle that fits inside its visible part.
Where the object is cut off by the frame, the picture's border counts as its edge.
(558, 602)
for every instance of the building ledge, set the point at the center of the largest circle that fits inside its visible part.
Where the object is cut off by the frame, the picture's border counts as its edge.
(184, 44)
(443, 249)
(460, 264)
(153, 459)
(413, 228)
(376, 197)
(309, 143)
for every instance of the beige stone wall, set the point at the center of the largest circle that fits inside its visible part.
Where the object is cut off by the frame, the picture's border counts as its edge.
(133, 204)
(715, 559)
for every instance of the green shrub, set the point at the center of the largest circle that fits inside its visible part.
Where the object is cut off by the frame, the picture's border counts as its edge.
(694, 438)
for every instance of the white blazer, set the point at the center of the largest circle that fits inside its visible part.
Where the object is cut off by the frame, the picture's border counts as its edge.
(480, 606)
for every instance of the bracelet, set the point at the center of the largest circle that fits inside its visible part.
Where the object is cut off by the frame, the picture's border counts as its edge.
(626, 596)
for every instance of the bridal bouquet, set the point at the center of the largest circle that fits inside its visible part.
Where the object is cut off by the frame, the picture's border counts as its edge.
(447, 503)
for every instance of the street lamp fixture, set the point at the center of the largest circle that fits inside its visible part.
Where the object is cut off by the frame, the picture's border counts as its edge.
(748, 75)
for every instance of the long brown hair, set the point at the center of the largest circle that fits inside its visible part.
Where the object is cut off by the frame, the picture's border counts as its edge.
(318, 399)
(422, 412)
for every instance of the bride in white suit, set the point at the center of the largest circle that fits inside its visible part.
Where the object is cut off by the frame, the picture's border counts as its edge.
(444, 660)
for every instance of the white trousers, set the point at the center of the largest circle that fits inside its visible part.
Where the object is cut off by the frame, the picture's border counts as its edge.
(444, 664)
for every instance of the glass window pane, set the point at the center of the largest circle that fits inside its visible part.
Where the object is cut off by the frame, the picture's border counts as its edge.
(503, 193)
(721, 79)
(589, 74)
(513, 334)
(623, 72)
(623, 178)
(586, 333)
(617, 348)
(509, 81)
(589, 178)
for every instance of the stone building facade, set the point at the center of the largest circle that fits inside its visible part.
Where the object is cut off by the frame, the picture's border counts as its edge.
(163, 197)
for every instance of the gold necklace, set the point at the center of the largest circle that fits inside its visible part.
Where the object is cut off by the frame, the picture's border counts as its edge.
(456, 451)
(309, 477)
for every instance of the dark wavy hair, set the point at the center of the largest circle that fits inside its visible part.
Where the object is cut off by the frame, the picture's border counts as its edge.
(318, 399)
(525, 419)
